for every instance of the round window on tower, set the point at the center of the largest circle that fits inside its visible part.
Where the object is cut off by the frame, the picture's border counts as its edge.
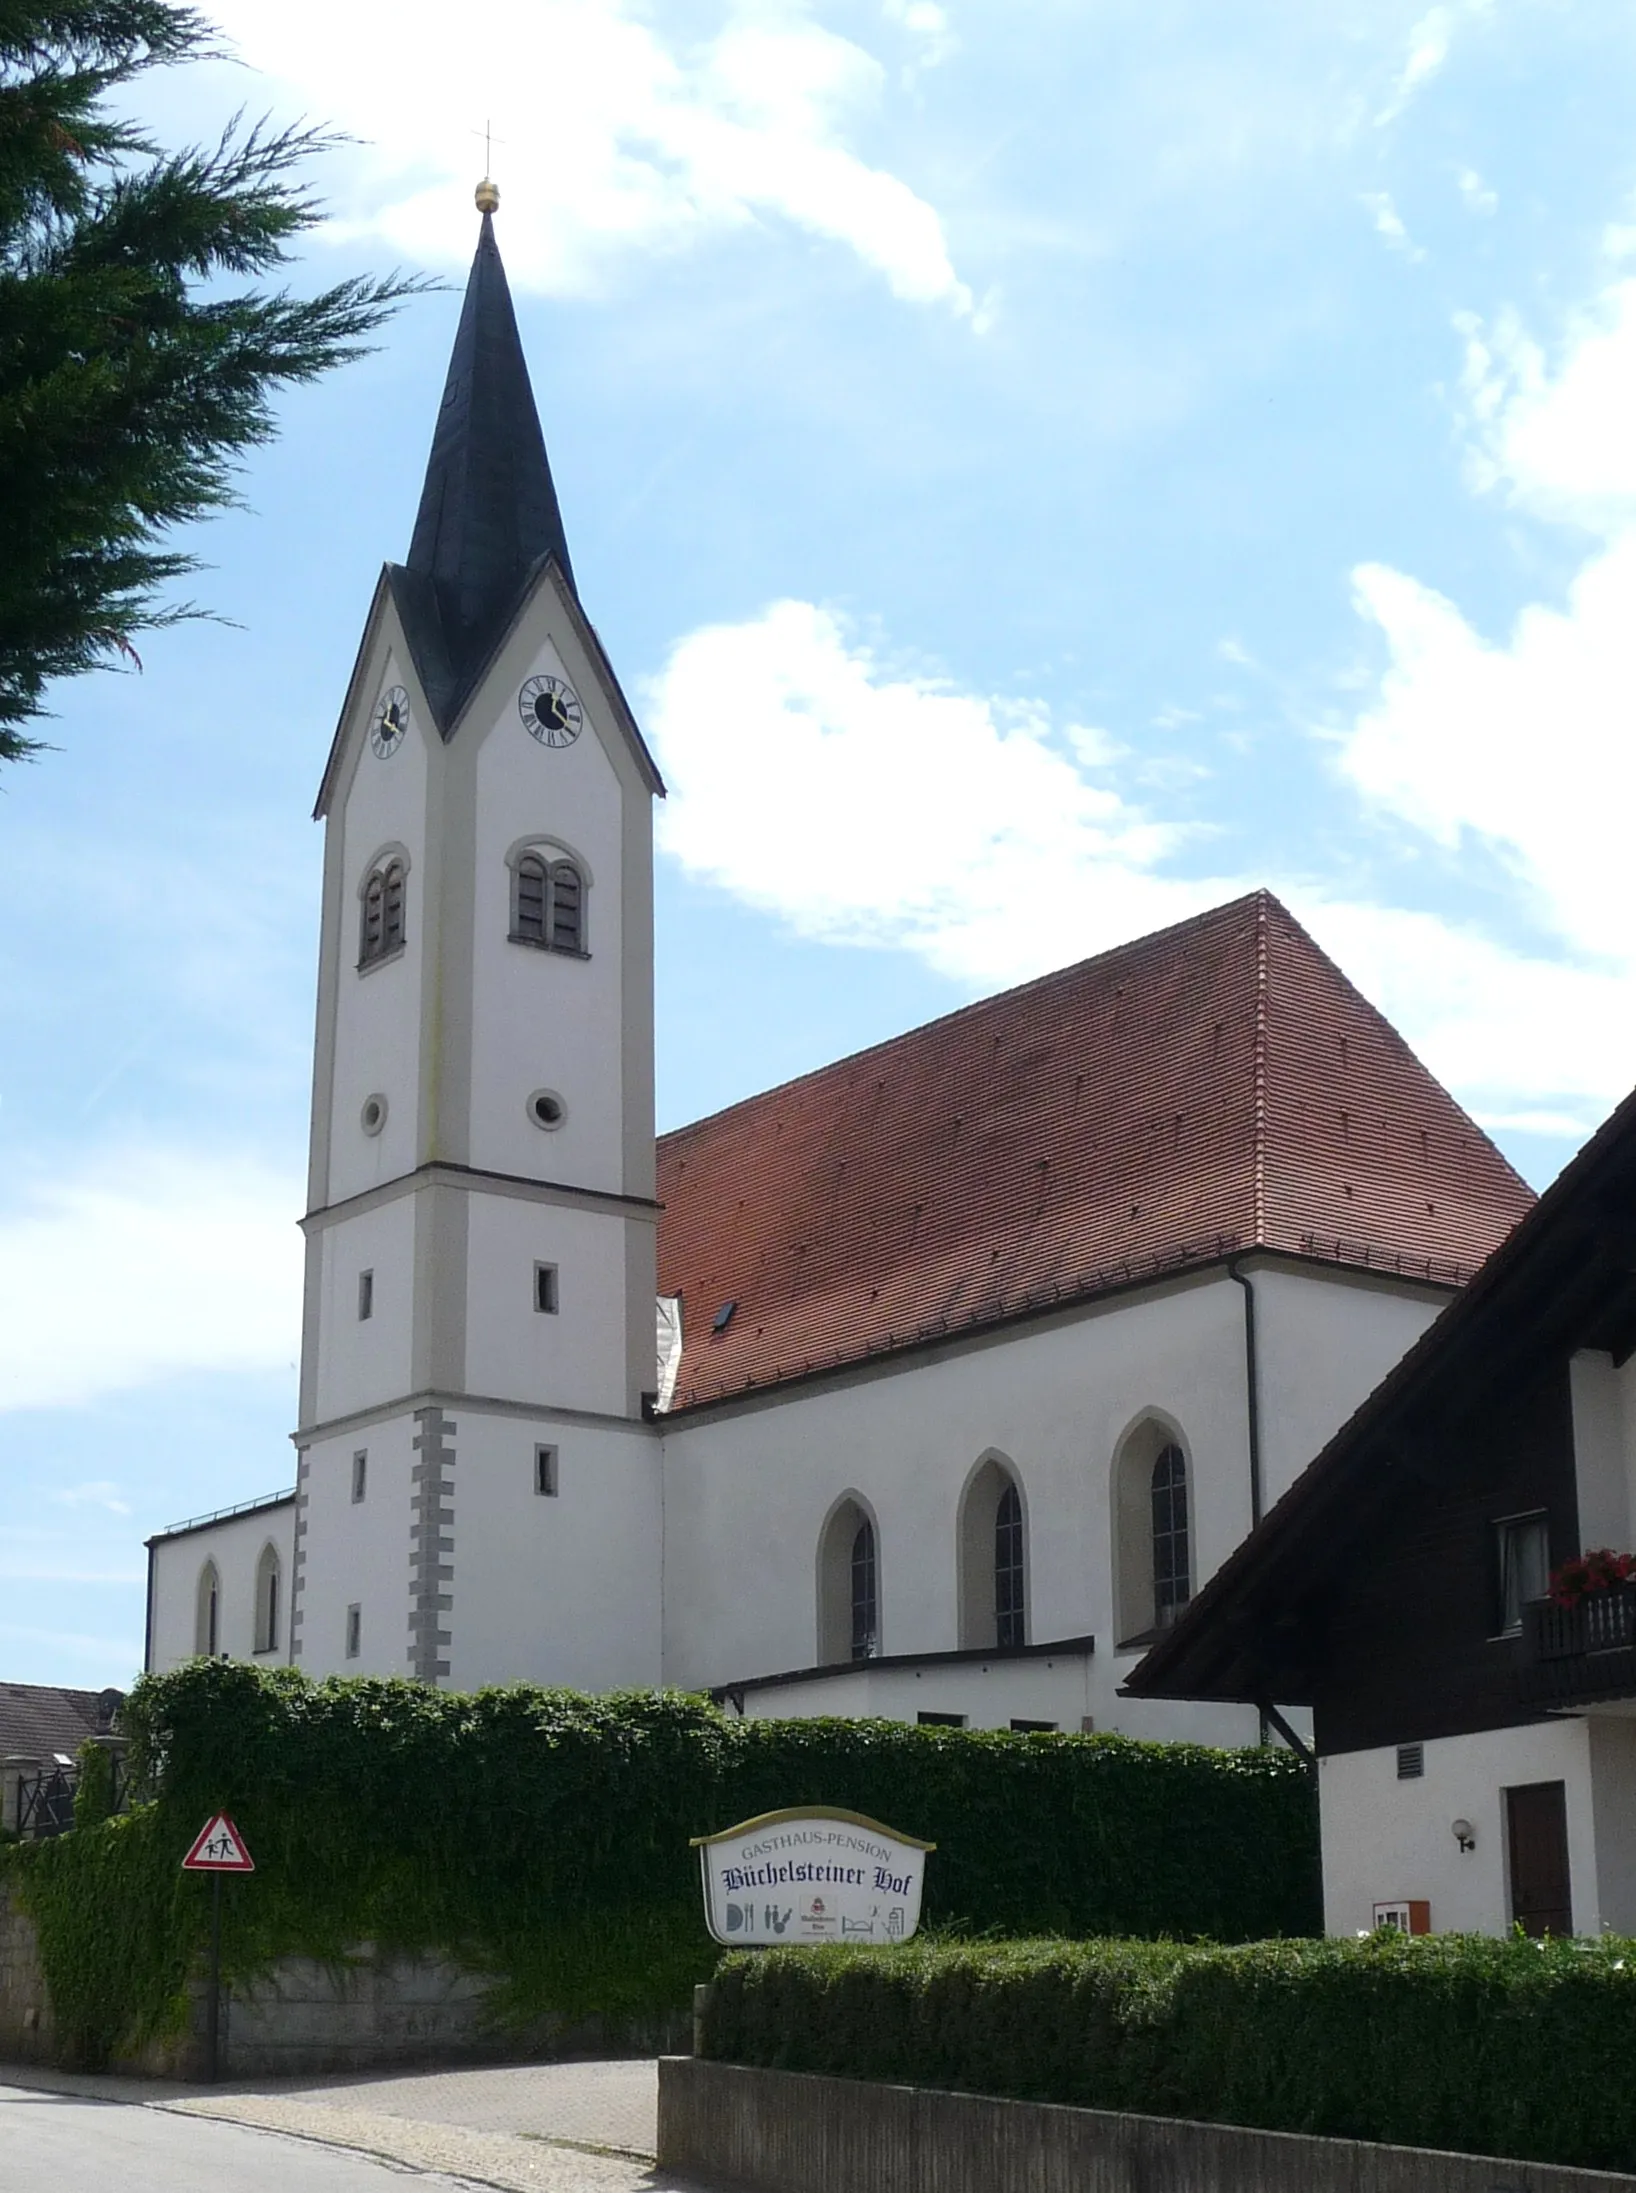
(373, 1116)
(546, 1109)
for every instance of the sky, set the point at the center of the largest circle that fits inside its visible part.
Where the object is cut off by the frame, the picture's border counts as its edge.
(1040, 468)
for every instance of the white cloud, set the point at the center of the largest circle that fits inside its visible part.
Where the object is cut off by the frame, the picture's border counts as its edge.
(1561, 442)
(868, 805)
(610, 133)
(1476, 193)
(1389, 223)
(1430, 41)
(145, 1263)
(99, 1492)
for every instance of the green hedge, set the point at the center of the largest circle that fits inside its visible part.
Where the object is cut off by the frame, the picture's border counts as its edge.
(1507, 2047)
(542, 1836)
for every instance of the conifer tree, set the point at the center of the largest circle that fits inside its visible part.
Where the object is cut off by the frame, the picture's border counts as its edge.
(139, 349)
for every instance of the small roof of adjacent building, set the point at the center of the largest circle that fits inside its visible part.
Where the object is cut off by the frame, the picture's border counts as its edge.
(39, 1720)
(1214, 1088)
(1565, 1279)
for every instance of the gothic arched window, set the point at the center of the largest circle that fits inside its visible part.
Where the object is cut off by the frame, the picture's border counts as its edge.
(207, 1627)
(1172, 1574)
(268, 1579)
(548, 903)
(992, 1556)
(865, 1605)
(848, 1585)
(381, 922)
(1010, 1609)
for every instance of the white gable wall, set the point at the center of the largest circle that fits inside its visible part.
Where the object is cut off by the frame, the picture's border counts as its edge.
(235, 1545)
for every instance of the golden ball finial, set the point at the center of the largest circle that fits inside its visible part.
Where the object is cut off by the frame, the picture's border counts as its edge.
(488, 197)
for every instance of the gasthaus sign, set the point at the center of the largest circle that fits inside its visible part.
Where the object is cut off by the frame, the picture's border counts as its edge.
(811, 1874)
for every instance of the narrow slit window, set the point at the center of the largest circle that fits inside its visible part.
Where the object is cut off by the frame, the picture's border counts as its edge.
(355, 1632)
(545, 1289)
(360, 1474)
(366, 1294)
(545, 1472)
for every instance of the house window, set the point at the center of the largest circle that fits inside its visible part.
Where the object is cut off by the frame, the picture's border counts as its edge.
(360, 1474)
(1172, 1585)
(1010, 1612)
(545, 1471)
(381, 921)
(940, 1720)
(548, 904)
(1033, 1728)
(267, 1608)
(865, 1608)
(545, 1289)
(1522, 1547)
(366, 1294)
(208, 1619)
(355, 1632)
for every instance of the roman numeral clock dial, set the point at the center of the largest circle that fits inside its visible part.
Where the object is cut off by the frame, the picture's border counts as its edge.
(390, 722)
(550, 709)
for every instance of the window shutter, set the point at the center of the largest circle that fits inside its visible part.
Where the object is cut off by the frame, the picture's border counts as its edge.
(567, 908)
(530, 909)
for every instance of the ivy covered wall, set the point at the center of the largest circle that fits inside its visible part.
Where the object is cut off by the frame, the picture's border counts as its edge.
(541, 1837)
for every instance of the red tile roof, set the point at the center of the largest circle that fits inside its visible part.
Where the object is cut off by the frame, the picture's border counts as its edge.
(1215, 1087)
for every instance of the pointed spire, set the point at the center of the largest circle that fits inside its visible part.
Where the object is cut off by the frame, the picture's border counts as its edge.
(488, 510)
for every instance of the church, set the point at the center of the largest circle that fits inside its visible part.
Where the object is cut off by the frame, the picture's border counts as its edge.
(933, 1385)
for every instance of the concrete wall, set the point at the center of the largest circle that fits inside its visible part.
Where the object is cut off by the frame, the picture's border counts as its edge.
(1384, 1839)
(368, 2013)
(783, 2132)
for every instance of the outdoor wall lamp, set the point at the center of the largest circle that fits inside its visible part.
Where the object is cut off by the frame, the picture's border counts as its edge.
(1464, 1834)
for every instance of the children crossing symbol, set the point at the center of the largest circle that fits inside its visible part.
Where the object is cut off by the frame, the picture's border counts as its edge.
(219, 1848)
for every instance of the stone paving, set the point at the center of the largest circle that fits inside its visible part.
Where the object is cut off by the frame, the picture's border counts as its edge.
(574, 2127)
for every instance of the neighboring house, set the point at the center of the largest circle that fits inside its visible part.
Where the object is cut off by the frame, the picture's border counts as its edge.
(976, 1353)
(1477, 1744)
(41, 1731)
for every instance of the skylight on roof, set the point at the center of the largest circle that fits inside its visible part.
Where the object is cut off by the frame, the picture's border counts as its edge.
(724, 1317)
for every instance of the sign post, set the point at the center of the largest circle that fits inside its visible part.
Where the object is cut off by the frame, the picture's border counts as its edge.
(218, 1848)
(811, 1874)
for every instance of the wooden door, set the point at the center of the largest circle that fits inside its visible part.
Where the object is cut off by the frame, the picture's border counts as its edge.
(1536, 1818)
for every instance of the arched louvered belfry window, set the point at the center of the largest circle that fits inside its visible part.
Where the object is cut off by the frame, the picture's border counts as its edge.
(529, 895)
(207, 1632)
(865, 1599)
(1010, 1605)
(567, 907)
(548, 903)
(1172, 1573)
(381, 924)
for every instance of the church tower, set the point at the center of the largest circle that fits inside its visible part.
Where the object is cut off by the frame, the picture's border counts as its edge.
(478, 1486)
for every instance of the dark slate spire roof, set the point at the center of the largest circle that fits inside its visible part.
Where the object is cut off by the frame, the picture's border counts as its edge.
(488, 510)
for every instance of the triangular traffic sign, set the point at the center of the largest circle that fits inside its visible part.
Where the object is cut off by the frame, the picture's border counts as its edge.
(219, 1848)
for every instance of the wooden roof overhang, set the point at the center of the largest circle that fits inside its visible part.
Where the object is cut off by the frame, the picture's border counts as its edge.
(1565, 1280)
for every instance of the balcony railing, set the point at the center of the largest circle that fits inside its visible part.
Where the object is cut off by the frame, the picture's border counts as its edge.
(1574, 1656)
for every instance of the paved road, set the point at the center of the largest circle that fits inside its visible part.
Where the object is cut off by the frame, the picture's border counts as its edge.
(64, 2141)
(530, 2128)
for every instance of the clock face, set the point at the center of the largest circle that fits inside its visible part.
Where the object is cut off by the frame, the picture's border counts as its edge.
(391, 722)
(550, 708)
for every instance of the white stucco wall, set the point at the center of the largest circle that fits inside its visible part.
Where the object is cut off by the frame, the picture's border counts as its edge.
(574, 1357)
(990, 1694)
(235, 1545)
(1386, 1839)
(561, 1588)
(363, 1361)
(376, 1027)
(540, 1019)
(1326, 1338)
(357, 1552)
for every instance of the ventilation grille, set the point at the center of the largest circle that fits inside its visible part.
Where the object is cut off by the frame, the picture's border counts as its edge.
(1411, 1762)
